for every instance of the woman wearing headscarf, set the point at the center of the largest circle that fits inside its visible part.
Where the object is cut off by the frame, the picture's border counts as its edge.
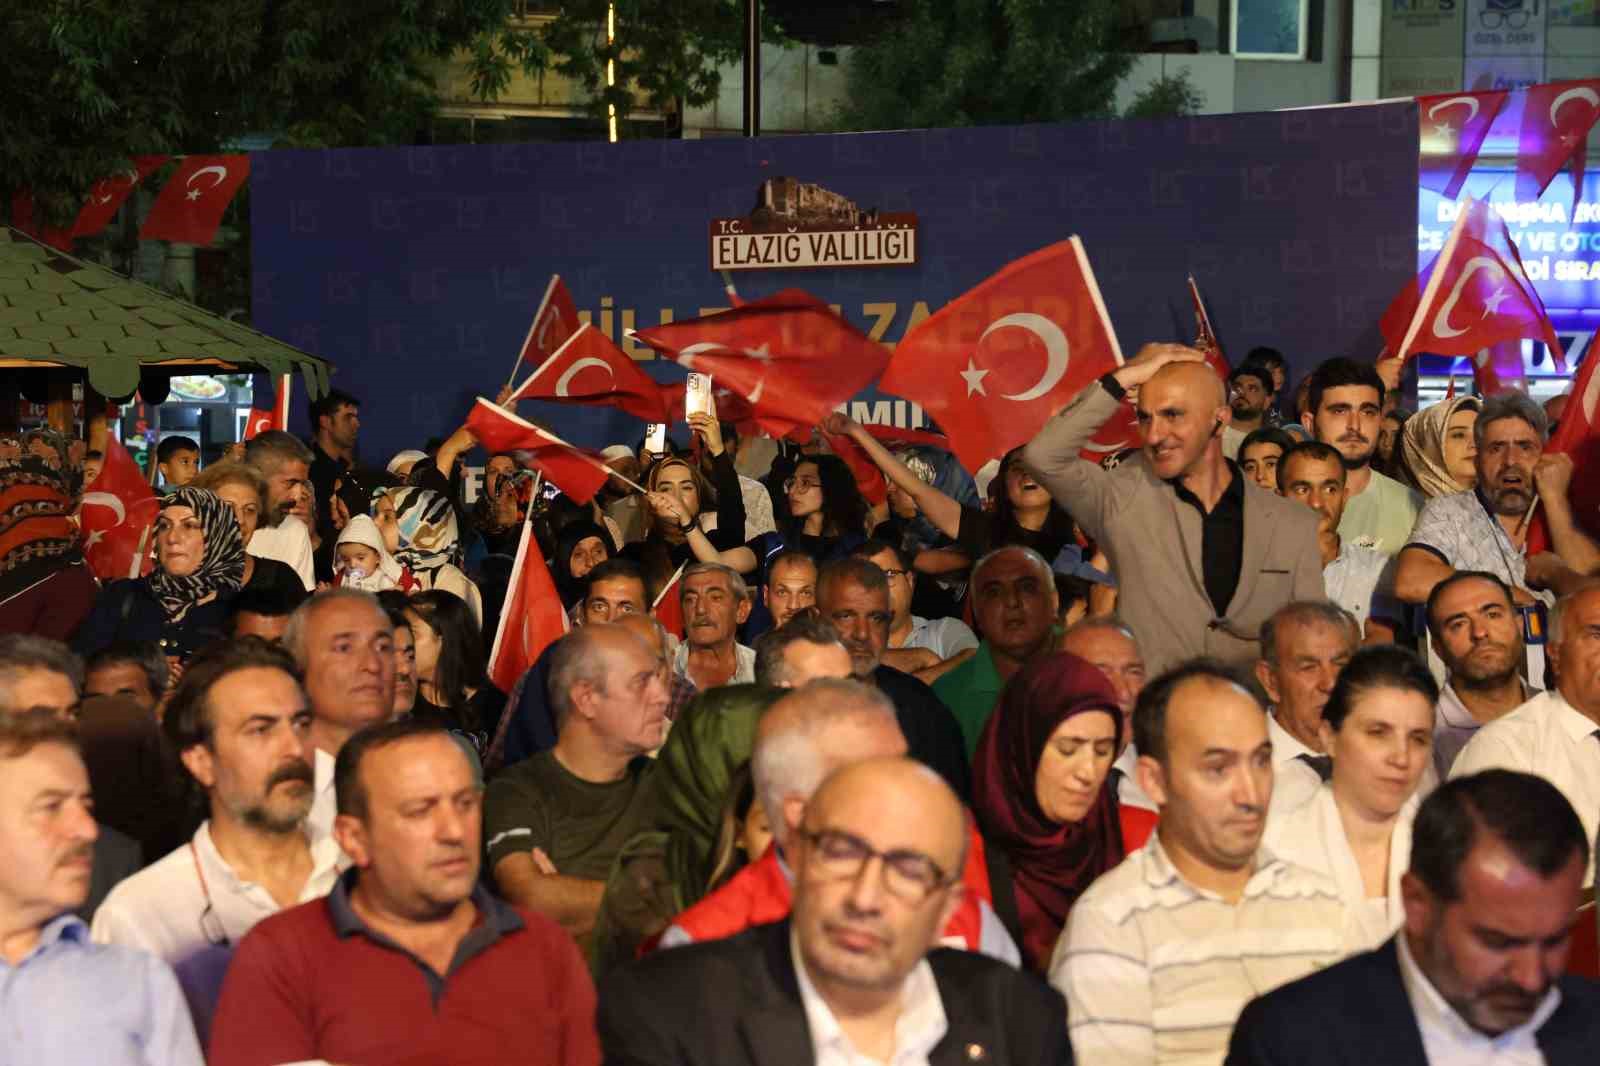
(581, 545)
(46, 588)
(1043, 799)
(419, 529)
(243, 489)
(1437, 448)
(185, 602)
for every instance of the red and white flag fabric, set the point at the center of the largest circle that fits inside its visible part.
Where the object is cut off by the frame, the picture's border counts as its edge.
(1474, 295)
(790, 355)
(116, 516)
(1556, 120)
(532, 617)
(589, 369)
(1499, 368)
(190, 206)
(897, 435)
(277, 418)
(1205, 338)
(1578, 435)
(992, 365)
(23, 218)
(572, 470)
(107, 195)
(1453, 127)
(553, 324)
(869, 479)
(668, 607)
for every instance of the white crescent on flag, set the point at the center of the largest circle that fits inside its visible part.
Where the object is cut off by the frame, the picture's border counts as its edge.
(106, 499)
(1057, 350)
(219, 171)
(1441, 321)
(1470, 102)
(686, 356)
(564, 382)
(1581, 93)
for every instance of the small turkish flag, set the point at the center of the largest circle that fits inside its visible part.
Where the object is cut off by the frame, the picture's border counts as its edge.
(553, 325)
(277, 418)
(589, 369)
(532, 618)
(190, 206)
(1556, 120)
(994, 364)
(668, 608)
(789, 354)
(1205, 337)
(1453, 127)
(1475, 294)
(572, 470)
(1578, 435)
(107, 195)
(115, 516)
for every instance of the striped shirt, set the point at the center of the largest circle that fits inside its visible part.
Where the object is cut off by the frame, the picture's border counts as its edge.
(1156, 971)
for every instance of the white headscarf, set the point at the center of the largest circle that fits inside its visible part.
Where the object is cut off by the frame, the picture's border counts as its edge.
(362, 530)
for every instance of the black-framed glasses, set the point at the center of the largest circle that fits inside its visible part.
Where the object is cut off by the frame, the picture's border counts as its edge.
(909, 876)
(802, 483)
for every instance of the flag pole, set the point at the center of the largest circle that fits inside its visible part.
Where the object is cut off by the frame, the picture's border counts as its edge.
(543, 303)
(1528, 516)
(667, 588)
(579, 452)
(727, 286)
(1434, 280)
(516, 393)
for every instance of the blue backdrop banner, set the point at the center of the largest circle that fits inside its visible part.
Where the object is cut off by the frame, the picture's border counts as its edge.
(418, 270)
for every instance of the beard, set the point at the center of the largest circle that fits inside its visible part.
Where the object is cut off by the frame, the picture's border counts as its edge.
(1485, 672)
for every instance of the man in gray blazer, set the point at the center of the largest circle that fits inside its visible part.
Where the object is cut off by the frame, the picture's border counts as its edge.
(1202, 556)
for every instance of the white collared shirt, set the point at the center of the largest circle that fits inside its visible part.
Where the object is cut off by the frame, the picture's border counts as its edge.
(324, 802)
(1359, 580)
(290, 543)
(1448, 1040)
(1312, 835)
(744, 658)
(1157, 971)
(1454, 725)
(1129, 794)
(918, 1030)
(159, 910)
(945, 637)
(1548, 737)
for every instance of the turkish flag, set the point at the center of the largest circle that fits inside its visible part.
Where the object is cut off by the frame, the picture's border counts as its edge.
(553, 325)
(277, 418)
(1475, 294)
(668, 608)
(107, 195)
(1205, 337)
(572, 470)
(790, 355)
(1498, 368)
(1556, 120)
(116, 515)
(589, 369)
(22, 217)
(992, 365)
(532, 617)
(1453, 127)
(1578, 435)
(190, 206)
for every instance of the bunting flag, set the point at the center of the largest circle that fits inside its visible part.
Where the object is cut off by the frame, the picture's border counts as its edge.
(116, 515)
(994, 364)
(1453, 127)
(553, 325)
(668, 608)
(190, 206)
(1556, 120)
(572, 470)
(790, 355)
(532, 617)
(277, 418)
(107, 195)
(588, 369)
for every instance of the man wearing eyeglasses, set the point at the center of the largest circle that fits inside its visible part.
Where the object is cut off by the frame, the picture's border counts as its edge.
(854, 975)
(238, 721)
(925, 648)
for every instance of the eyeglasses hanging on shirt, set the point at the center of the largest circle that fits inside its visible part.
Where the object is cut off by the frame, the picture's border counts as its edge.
(210, 924)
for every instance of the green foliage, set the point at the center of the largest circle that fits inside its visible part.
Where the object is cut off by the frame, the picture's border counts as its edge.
(1169, 96)
(89, 83)
(970, 62)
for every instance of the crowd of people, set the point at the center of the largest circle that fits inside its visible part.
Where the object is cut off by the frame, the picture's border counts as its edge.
(1266, 741)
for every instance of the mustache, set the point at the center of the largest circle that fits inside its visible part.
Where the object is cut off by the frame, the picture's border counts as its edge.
(77, 852)
(299, 770)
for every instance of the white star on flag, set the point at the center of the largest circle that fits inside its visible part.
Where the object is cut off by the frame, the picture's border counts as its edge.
(95, 537)
(974, 378)
(1491, 306)
(193, 194)
(1444, 129)
(760, 355)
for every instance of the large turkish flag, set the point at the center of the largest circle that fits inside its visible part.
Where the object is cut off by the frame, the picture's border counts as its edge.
(589, 369)
(1556, 120)
(1453, 127)
(994, 364)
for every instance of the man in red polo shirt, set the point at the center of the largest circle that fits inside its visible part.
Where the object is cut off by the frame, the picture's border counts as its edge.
(408, 961)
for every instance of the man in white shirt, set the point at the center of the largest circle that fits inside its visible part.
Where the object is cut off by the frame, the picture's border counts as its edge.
(1160, 953)
(921, 647)
(285, 530)
(1497, 864)
(343, 642)
(1555, 735)
(1477, 633)
(1304, 646)
(1357, 578)
(853, 976)
(238, 720)
(1110, 646)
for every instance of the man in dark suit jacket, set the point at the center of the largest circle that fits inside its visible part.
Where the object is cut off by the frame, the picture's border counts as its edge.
(1497, 871)
(872, 892)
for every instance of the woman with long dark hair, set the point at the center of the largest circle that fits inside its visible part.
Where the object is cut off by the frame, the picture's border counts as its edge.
(827, 515)
(678, 500)
(453, 686)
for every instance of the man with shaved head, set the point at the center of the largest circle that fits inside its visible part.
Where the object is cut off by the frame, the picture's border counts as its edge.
(1202, 555)
(855, 975)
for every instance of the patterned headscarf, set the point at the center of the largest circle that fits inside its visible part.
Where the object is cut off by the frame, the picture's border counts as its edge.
(1422, 446)
(39, 478)
(221, 568)
(429, 538)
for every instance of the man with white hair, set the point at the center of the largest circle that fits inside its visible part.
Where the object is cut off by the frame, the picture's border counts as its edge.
(807, 735)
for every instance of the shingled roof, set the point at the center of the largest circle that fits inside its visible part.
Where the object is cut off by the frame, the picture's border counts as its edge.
(56, 310)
